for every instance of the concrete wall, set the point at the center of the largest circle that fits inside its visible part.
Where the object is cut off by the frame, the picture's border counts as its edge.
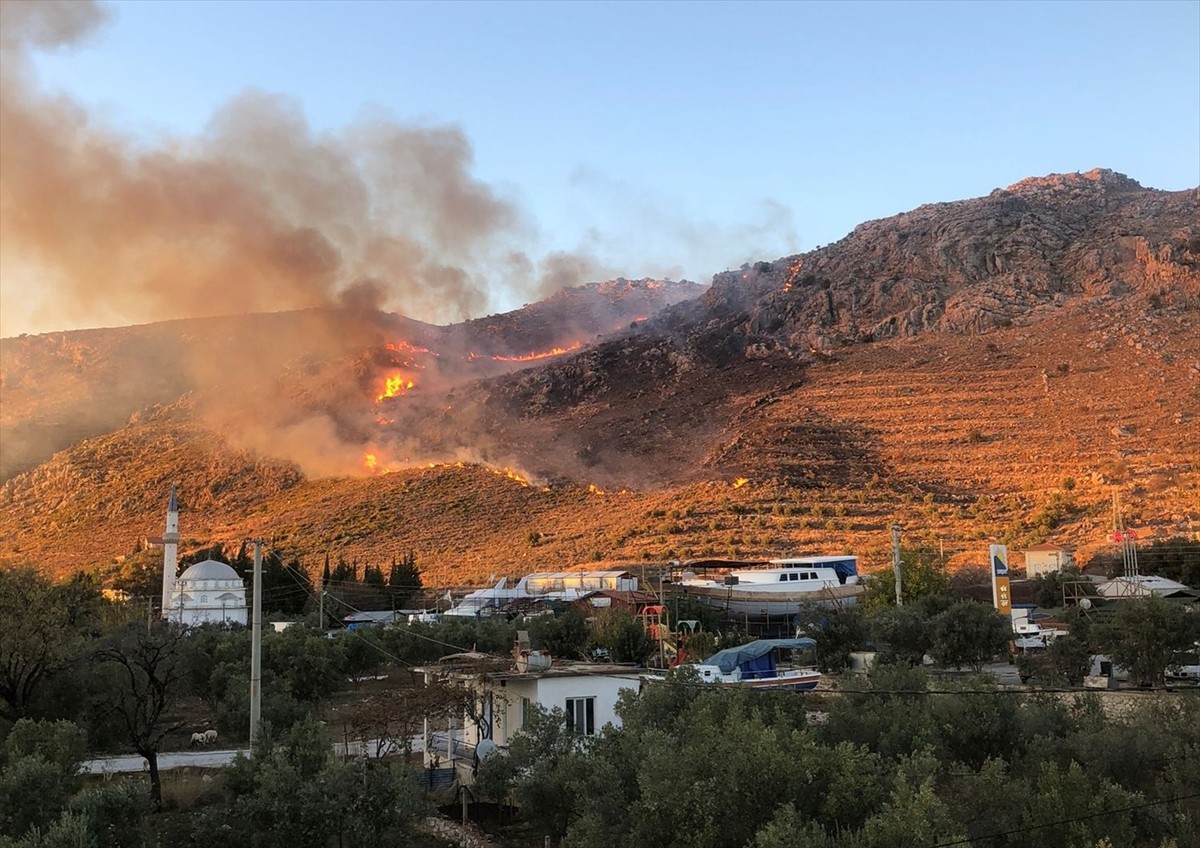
(551, 693)
(1038, 563)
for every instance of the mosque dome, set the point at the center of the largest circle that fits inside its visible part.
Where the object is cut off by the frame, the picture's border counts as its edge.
(210, 569)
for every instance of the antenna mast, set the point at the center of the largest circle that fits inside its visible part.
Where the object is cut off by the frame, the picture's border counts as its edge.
(1127, 539)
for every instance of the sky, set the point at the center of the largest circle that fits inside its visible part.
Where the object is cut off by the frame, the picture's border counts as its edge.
(674, 138)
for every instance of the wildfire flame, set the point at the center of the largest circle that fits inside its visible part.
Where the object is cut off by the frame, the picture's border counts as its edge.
(372, 465)
(396, 384)
(739, 482)
(595, 490)
(794, 272)
(511, 475)
(529, 357)
(406, 347)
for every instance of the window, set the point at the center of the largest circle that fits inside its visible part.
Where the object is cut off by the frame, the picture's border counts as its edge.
(581, 716)
(524, 713)
(783, 578)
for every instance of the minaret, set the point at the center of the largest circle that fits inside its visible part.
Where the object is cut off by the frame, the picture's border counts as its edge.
(170, 553)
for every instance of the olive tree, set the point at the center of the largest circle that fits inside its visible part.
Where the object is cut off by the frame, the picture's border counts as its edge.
(969, 633)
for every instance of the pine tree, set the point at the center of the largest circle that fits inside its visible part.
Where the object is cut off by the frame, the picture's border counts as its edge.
(404, 581)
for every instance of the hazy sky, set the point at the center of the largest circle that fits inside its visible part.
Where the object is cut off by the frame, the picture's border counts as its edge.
(685, 137)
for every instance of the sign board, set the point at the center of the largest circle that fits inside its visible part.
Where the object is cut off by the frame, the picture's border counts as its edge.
(1001, 597)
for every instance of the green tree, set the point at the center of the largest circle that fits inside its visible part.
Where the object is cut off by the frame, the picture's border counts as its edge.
(969, 633)
(117, 815)
(837, 630)
(622, 635)
(544, 767)
(39, 774)
(922, 575)
(43, 629)
(913, 817)
(565, 636)
(147, 676)
(901, 634)
(295, 794)
(1141, 634)
(404, 580)
(790, 829)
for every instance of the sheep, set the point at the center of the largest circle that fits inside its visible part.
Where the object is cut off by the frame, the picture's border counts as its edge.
(210, 737)
(198, 739)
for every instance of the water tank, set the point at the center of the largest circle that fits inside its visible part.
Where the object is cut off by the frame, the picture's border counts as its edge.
(533, 661)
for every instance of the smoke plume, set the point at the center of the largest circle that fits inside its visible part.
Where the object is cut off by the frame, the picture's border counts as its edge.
(259, 212)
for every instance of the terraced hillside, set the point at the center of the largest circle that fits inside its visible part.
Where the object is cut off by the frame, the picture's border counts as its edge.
(981, 371)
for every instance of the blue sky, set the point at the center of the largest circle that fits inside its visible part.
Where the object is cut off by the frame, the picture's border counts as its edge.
(690, 136)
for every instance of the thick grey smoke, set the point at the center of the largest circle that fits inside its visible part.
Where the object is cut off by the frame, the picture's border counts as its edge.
(259, 212)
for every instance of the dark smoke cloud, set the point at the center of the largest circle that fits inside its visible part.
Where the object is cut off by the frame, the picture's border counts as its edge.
(259, 212)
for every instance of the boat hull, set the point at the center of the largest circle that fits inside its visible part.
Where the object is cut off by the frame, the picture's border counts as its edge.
(760, 605)
(805, 683)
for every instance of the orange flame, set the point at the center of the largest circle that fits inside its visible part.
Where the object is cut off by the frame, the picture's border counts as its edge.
(739, 482)
(372, 465)
(510, 474)
(545, 354)
(406, 347)
(595, 490)
(396, 384)
(795, 272)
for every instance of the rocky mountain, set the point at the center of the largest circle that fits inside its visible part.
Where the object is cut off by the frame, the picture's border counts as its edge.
(988, 369)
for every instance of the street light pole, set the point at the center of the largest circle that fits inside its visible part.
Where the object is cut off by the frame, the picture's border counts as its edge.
(896, 560)
(256, 648)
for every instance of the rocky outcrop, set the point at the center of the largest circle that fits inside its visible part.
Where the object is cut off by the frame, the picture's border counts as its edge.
(979, 264)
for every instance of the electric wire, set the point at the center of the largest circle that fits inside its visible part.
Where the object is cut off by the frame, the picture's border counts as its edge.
(1027, 829)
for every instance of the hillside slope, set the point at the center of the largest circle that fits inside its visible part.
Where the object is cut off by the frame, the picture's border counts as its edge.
(982, 370)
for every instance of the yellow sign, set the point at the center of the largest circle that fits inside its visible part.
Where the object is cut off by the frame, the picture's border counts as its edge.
(1001, 596)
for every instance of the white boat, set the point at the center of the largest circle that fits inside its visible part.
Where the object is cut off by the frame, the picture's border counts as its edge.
(779, 588)
(1030, 635)
(754, 666)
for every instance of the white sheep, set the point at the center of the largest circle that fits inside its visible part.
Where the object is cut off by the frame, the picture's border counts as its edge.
(210, 737)
(198, 739)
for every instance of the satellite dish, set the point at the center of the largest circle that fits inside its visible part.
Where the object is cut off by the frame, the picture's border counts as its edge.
(1085, 603)
(485, 748)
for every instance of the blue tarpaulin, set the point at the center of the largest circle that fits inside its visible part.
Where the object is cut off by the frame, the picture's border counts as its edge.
(730, 658)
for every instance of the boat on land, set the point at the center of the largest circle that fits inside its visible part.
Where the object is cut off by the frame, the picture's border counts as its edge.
(756, 666)
(774, 589)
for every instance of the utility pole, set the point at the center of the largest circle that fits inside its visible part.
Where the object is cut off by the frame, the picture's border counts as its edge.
(256, 648)
(321, 607)
(896, 560)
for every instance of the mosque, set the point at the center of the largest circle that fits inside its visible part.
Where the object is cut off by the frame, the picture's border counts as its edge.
(208, 592)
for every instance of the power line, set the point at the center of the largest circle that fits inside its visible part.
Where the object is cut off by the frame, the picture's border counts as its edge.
(968, 840)
(368, 641)
(1027, 693)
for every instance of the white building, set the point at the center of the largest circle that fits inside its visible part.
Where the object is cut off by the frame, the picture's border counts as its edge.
(504, 700)
(209, 592)
(567, 586)
(1047, 559)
